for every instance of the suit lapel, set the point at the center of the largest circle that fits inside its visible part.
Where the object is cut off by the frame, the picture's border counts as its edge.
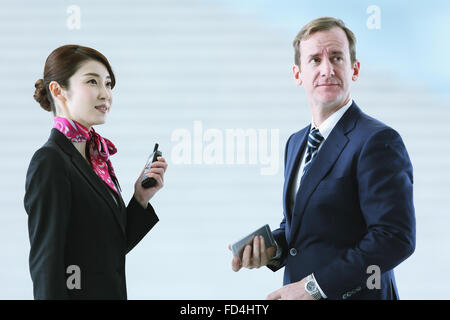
(89, 174)
(322, 164)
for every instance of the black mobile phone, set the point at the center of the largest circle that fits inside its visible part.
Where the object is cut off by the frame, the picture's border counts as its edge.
(146, 181)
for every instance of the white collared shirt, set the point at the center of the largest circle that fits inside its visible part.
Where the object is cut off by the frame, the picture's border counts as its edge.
(325, 129)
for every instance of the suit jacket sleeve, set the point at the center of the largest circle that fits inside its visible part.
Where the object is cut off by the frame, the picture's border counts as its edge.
(139, 222)
(385, 187)
(47, 201)
(280, 233)
(280, 238)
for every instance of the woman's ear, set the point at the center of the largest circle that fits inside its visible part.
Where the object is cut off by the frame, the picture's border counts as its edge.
(59, 96)
(57, 92)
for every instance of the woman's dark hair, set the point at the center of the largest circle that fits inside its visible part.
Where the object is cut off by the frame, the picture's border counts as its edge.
(60, 65)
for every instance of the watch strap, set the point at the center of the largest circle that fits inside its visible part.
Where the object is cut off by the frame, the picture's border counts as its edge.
(314, 293)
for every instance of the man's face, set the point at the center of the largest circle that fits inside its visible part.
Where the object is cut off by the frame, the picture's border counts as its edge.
(325, 70)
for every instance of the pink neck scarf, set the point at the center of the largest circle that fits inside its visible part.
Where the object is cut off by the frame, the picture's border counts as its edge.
(98, 148)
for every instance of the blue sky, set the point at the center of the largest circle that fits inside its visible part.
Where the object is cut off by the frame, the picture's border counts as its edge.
(413, 41)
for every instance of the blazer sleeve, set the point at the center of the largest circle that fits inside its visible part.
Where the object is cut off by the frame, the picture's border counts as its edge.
(47, 202)
(385, 188)
(280, 233)
(280, 238)
(139, 222)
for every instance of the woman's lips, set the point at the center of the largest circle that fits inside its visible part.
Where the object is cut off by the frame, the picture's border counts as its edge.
(102, 108)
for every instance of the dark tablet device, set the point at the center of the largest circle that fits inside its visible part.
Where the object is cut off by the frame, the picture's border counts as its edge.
(238, 247)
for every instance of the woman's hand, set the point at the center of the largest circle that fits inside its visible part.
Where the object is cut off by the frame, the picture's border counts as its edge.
(142, 195)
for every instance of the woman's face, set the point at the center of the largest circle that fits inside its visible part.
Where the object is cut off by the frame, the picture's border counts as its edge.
(89, 98)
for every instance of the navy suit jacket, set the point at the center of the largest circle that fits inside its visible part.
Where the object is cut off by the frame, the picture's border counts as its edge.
(74, 220)
(354, 208)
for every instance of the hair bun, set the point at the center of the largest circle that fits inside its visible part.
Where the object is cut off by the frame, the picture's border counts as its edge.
(40, 95)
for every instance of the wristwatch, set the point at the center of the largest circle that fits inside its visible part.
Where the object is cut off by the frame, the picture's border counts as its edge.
(311, 288)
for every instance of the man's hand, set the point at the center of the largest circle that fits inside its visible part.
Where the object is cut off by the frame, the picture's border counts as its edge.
(254, 256)
(293, 291)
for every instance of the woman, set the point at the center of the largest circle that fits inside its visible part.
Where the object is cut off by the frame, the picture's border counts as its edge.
(80, 229)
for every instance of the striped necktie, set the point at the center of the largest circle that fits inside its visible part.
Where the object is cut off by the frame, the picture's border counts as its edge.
(314, 141)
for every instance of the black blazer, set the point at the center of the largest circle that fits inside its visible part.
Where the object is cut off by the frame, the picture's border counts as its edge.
(75, 219)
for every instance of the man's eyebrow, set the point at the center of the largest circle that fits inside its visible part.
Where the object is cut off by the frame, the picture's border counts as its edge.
(315, 55)
(94, 75)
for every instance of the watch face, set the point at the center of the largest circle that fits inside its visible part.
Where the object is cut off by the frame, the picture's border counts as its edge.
(310, 286)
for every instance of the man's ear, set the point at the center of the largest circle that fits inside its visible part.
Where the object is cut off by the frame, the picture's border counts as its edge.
(297, 76)
(356, 68)
(57, 92)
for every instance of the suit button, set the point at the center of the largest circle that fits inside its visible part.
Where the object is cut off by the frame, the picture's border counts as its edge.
(293, 252)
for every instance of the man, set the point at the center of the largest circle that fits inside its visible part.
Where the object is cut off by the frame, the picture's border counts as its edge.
(348, 197)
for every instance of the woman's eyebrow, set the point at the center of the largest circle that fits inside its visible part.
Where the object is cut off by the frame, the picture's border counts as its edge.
(92, 74)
